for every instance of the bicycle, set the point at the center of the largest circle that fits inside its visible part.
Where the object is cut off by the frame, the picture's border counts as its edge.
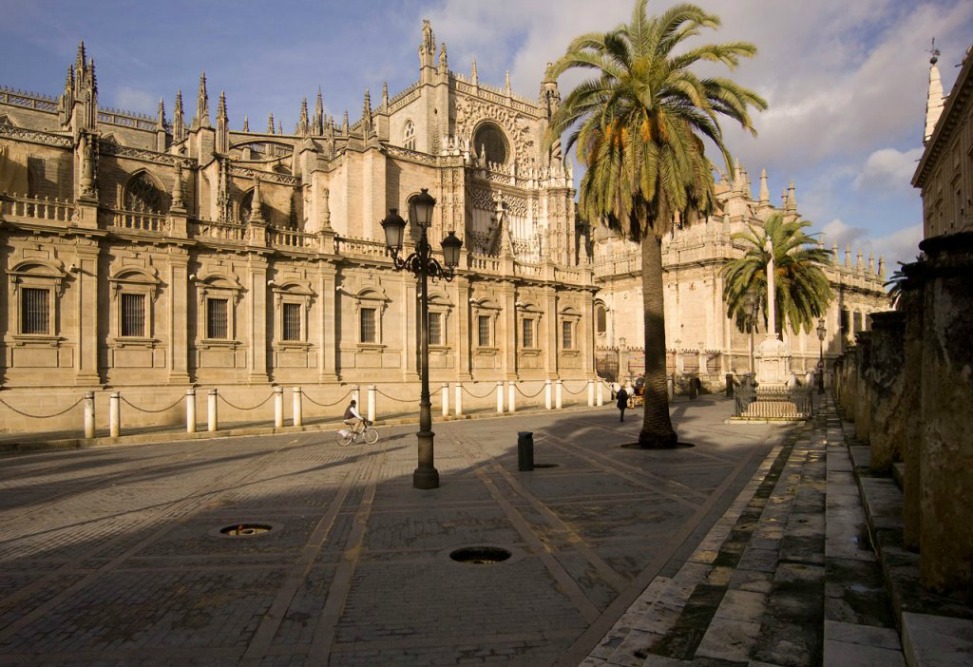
(367, 435)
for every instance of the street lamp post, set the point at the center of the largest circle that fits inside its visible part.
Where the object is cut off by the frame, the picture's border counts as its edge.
(423, 265)
(822, 331)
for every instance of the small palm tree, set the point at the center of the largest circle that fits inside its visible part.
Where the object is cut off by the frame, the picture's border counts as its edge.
(803, 291)
(640, 127)
(896, 283)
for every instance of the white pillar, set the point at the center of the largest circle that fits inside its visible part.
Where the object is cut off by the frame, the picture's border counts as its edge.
(499, 397)
(600, 398)
(89, 414)
(459, 399)
(278, 407)
(445, 399)
(371, 402)
(212, 422)
(559, 386)
(671, 387)
(114, 415)
(591, 393)
(511, 392)
(190, 411)
(548, 398)
(298, 397)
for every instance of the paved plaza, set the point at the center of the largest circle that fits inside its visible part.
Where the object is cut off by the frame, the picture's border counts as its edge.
(712, 553)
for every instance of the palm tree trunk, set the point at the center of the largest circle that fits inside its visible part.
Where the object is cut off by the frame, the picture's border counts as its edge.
(657, 431)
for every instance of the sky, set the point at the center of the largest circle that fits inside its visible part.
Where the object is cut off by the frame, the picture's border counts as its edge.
(846, 82)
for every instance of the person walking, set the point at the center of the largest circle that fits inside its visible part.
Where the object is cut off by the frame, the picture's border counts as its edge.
(622, 396)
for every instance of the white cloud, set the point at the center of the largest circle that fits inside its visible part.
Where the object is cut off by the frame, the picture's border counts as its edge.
(888, 169)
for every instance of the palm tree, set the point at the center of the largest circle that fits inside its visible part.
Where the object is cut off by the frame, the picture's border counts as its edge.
(641, 122)
(803, 291)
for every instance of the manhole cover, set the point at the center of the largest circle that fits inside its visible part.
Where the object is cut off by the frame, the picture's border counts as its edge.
(480, 555)
(246, 529)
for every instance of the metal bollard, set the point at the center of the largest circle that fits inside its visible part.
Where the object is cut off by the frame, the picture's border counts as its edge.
(298, 415)
(525, 451)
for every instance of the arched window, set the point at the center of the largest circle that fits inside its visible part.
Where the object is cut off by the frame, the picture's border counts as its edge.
(143, 195)
(409, 136)
(601, 319)
(490, 144)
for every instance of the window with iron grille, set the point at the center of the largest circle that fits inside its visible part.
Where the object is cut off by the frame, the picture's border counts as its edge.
(527, 332)
(133, 314)
(292, 321)
(435, 328)
(483, 330)
(567, 340)
(35, 310)
(217, 322)
(601, 319)
(368, 330)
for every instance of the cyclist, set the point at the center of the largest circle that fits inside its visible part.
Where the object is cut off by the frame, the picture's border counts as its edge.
(353, 418)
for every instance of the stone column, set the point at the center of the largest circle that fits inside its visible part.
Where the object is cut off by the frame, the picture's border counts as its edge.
(87, 314)
(179, 310)
(911, 304)
(887, 423)
(946, 541)
(256, 310)
(863, 400)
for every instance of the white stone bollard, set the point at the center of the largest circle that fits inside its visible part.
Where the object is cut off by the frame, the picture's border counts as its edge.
(114, 414)
(671, 387)
(600, 397)
(511, 396)
(212, 421)
(356, 396)
(591, 393)
(278, 407)
(499, 397)
(190, 411)
(371, 402)
(548, 398)
(558, 394)
(89, 414)
(445, 399)
(298, 399)
(458, 399)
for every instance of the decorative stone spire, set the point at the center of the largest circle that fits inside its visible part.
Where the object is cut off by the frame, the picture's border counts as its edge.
(280, 127)
(881, 267)
(834, 253)
(366, 116)
(202, 105)
(764, 190)
(160, 121)
(317, 125)
(345, 124)
(791, 204)
(270, 123)
(178, 121)
(847, 257)
(934, 99)
(256, 205)
(506, 83)
(443, 60)
(303, 124)
(427, 52)
(177, 202)
(222, 126)
(246, 124)
(871, 263)
(385, 96)
(474, 77)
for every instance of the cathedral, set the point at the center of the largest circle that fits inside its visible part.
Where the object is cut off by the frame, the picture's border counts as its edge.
(155, 256)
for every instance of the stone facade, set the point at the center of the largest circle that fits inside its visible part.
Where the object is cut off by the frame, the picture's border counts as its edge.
(152, 255)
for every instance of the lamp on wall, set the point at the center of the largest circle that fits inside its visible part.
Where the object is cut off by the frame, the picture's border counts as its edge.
(423, 265)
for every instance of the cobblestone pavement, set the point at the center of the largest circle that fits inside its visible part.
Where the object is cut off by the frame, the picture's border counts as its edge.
(712, 553)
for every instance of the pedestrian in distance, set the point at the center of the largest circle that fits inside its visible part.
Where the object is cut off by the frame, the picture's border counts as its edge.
(622, 402)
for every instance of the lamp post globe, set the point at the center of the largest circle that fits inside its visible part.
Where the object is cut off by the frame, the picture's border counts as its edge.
(423, 265)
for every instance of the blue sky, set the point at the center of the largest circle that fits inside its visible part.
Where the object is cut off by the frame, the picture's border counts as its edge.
(846, 81)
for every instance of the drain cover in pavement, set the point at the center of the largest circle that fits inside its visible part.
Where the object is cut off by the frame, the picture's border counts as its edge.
(246, 529)
(480, 555)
